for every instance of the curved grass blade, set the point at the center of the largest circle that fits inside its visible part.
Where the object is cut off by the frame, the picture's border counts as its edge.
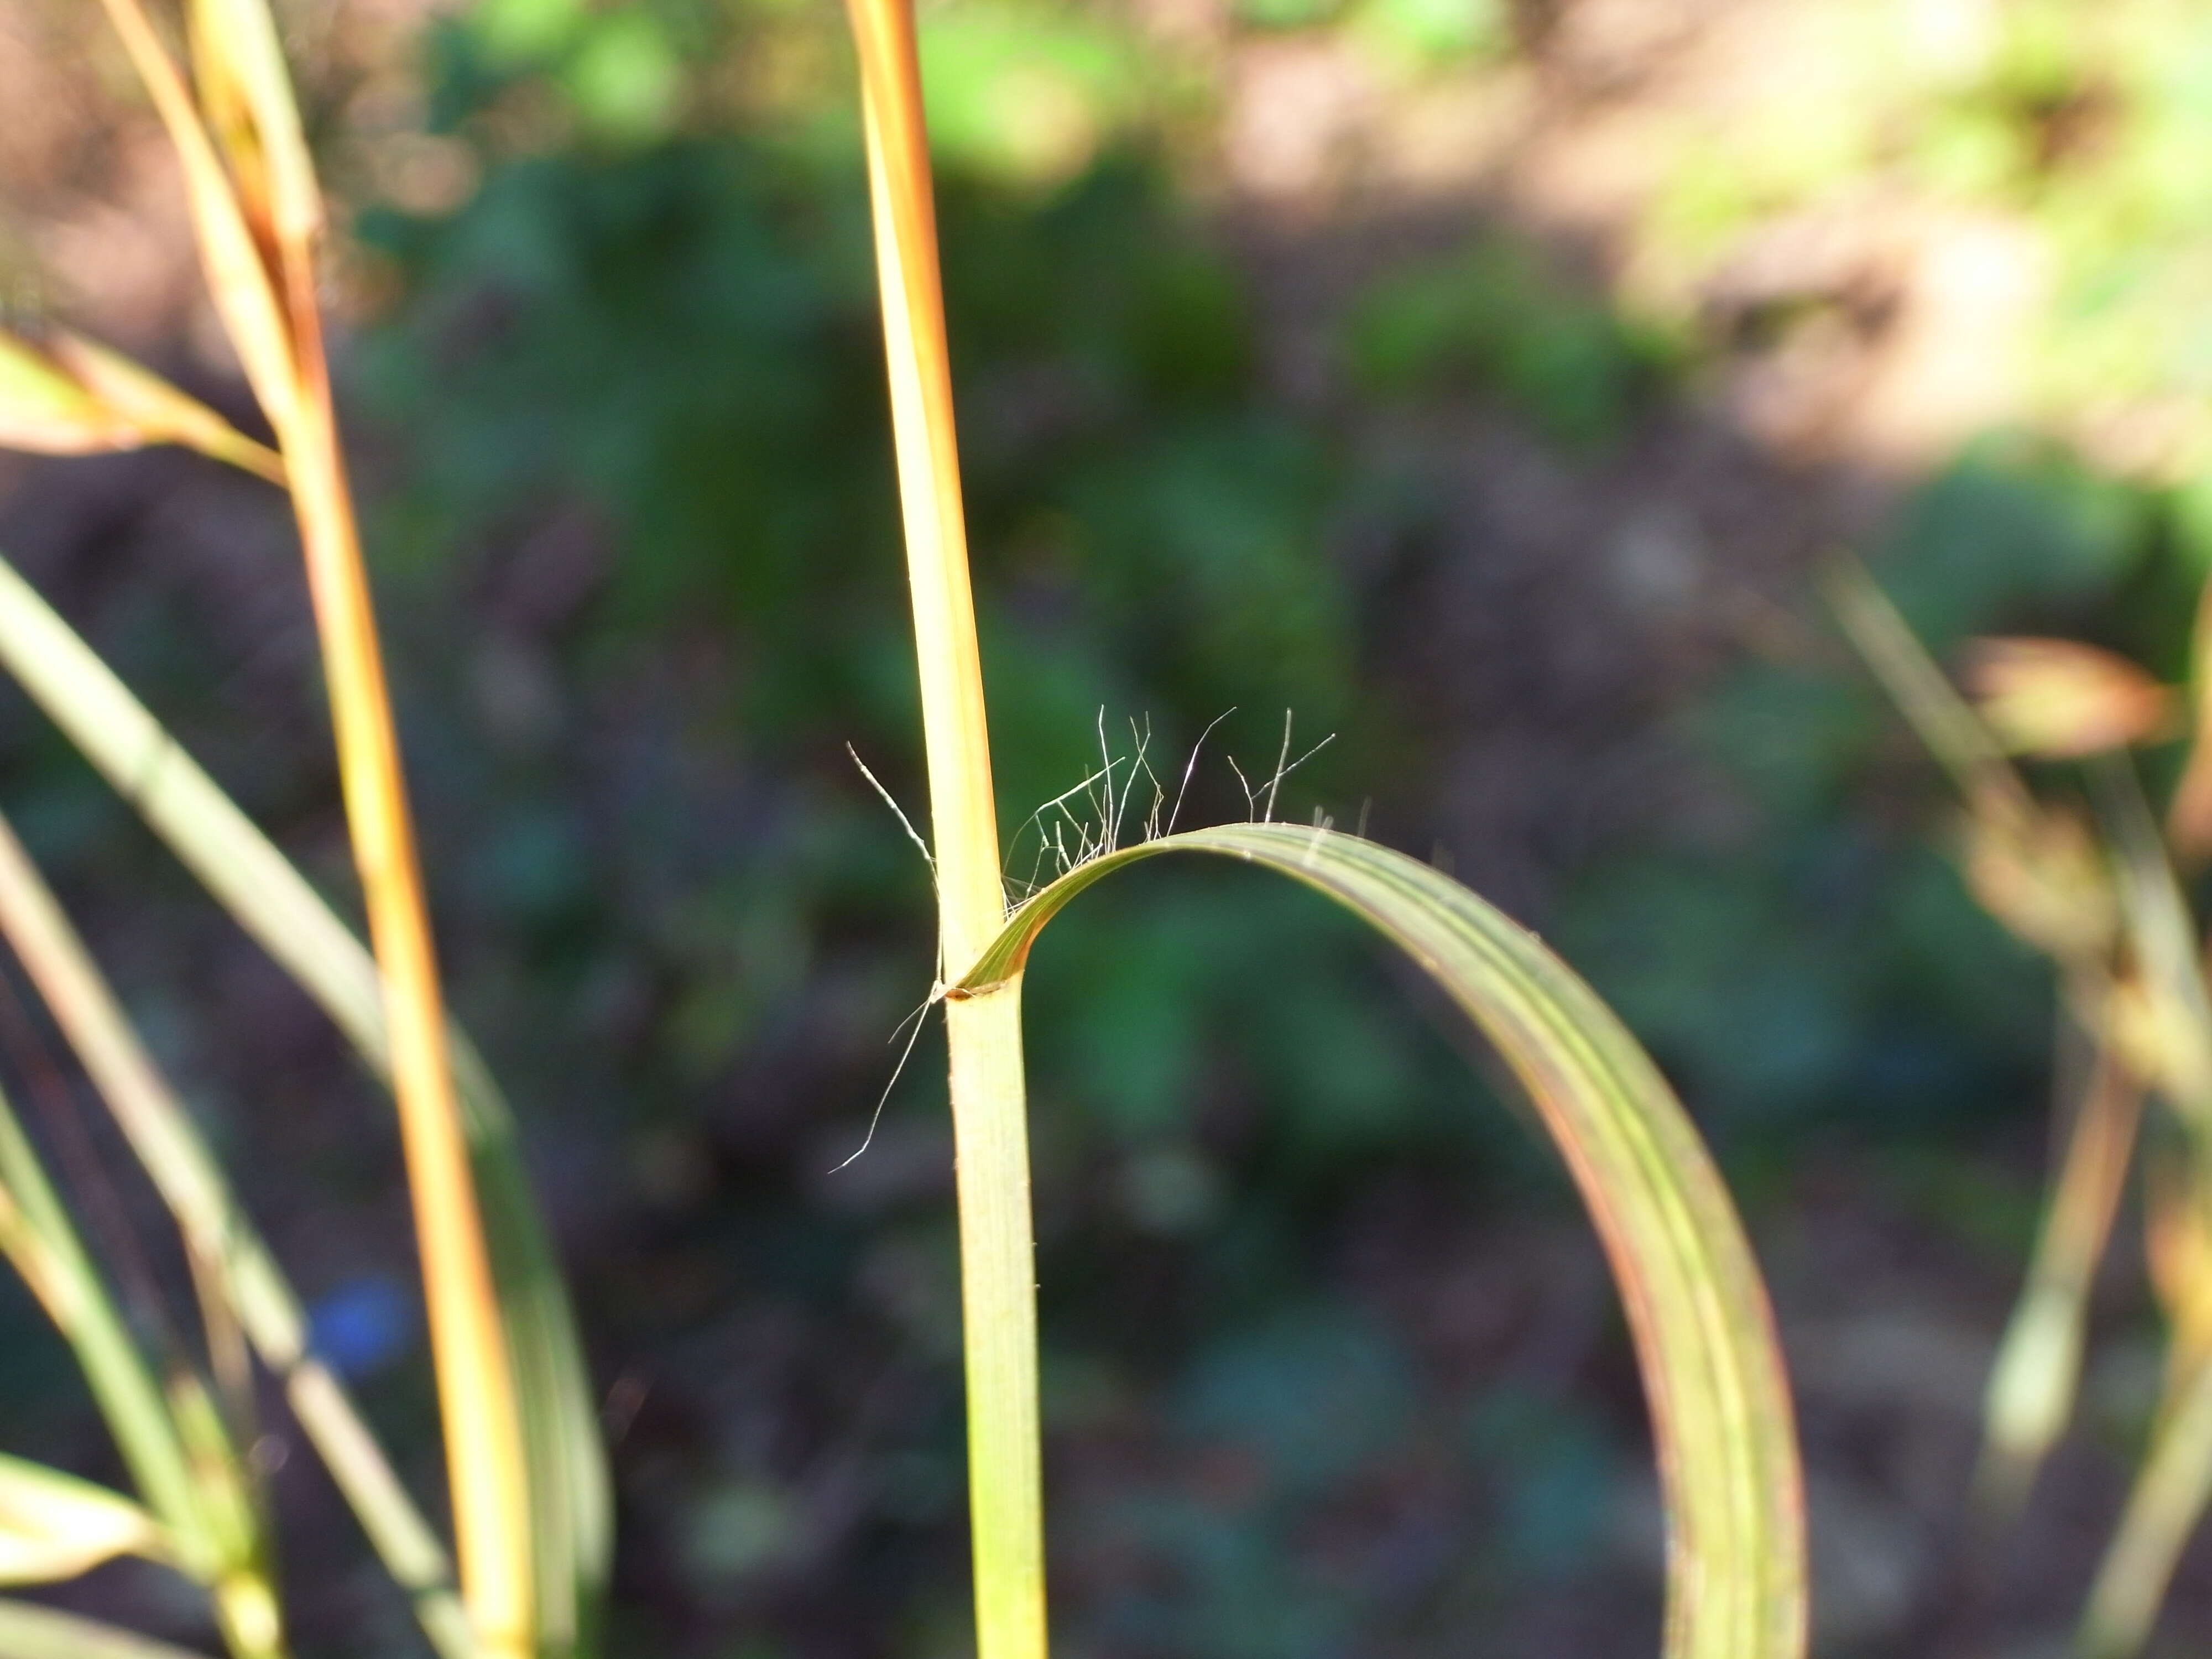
(239, 1264)
(571, 1510)
(1713, 1375)
(28, 1631)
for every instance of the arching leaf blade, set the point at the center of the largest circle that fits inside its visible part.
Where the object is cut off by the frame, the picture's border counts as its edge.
(1713, 1373)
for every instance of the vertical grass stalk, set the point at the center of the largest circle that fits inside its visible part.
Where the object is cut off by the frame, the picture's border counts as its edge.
(476, 1390)
(256, 211)
(998, 1283)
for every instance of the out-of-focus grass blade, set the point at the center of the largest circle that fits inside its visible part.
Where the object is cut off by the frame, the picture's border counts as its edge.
(69, 396)
(30, 1632)
(571, 1508)
(2179, 1038)
(2060, 700)
(269, 192)
(38, 1237)
(239, 279)
(200, 1496)
(2188, 815)
(46, 409)
(239, 62)
(1713, 1375)
(2162, 1510)
(2174, 1483)
(1947, 723)
(215, 1230)
(2178, 1243)
(198, 1490)
(160, 412)
(2036, 869)
(2038, 1371)
(54, 1525)
(244, 1591)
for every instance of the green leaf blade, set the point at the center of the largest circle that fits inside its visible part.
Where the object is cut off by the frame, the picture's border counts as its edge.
(1704, 1338)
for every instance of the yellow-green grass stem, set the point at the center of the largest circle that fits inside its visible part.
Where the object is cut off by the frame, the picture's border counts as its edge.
(998, 1276)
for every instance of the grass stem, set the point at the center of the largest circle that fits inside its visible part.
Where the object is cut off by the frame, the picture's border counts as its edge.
(998, 1274)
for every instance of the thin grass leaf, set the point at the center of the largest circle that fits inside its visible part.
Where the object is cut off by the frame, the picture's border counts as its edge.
(235, 1519)
(2179, 1039)
(2163, 1509)
(239, 280)
(45, 409)
(196, 1486)
(68, 396)
(2177, 1246)
(1713, 1375)
(239, 62)
(157, 410)
(2037, 1372)
(571, 1512)
(30, 1632)
(229, 121)
(38, 1237)
(1947, 723)
(218, 1235)
(2036, 869)
(54, 1525)
(2188, 815)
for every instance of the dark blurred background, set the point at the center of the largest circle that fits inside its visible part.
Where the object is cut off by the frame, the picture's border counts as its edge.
(1480, 379)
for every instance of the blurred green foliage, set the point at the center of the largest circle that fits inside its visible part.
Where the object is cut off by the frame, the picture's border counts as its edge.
(1496, 321)
(1813, 953)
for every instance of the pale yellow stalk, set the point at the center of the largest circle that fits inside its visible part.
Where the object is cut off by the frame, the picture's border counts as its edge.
(990, 1133)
